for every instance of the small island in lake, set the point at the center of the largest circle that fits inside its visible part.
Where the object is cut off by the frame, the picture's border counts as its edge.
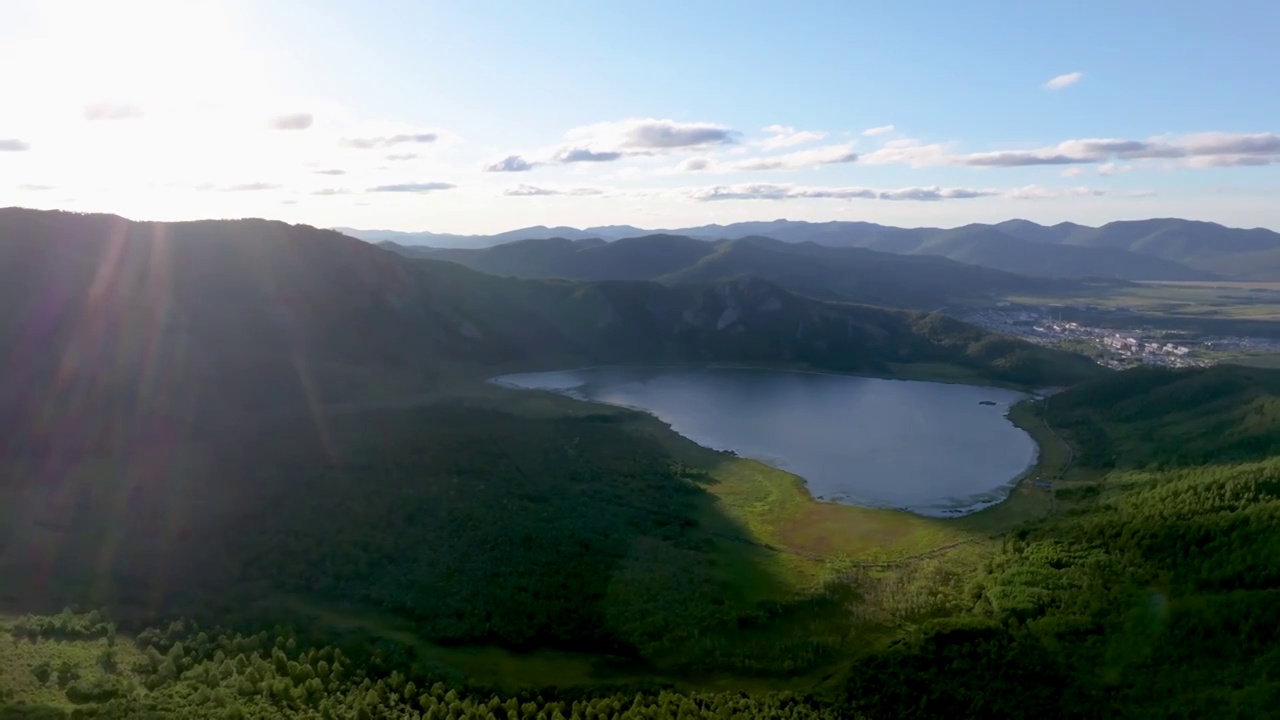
(986, 402)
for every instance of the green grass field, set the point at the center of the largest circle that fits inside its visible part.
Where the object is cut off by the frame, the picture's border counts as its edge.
(48, 671)
(1198, 300)
(1270, 361)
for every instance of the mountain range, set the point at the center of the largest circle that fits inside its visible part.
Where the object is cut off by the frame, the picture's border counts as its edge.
(921, 282)
(1155, 249)
(112, 326)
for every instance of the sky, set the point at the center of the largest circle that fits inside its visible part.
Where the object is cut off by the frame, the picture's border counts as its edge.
(488, 115)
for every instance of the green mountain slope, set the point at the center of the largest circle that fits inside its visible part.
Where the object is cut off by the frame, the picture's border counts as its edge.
(989, 247)
(1224, 414)
(1153, 592)
(1246, 254)
(849, 274)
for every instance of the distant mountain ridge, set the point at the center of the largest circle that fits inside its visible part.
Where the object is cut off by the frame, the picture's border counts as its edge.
(1156, 249)
(830, 273)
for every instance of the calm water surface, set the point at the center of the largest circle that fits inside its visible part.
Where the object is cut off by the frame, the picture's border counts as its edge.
(930, 448)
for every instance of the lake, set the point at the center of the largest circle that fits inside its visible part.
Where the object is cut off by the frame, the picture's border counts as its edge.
(934, 449)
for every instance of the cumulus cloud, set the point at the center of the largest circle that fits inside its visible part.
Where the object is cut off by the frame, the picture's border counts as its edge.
(532, 191)
(424, 187)
(765, 191)
(881, 130)
(830, 155)
(510, 163)
(331, 171)
(1062, 81)
(34, 187)
(292, 121)
(13, 145)
(367, 143)
(694, 164)
(577, 155)
(1072, 172)
(401, 157)
(782, 136)
(112, 111)
(331, 191)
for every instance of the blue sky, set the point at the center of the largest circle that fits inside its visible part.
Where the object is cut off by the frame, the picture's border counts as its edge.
(481, 116)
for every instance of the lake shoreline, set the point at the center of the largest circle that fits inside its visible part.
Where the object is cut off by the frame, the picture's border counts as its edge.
(907, 372)
(948, 508)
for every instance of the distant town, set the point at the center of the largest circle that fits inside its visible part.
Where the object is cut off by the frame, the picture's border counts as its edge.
(1117, 348)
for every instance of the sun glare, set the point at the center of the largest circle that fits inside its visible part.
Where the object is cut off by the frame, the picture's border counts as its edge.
(144, 50)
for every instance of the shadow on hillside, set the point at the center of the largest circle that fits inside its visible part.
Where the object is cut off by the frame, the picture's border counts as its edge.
(478, 525)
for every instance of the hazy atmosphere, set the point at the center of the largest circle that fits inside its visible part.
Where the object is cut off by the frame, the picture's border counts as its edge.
(481, 117)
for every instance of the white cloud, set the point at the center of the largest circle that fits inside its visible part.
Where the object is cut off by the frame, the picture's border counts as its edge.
(1020, 158)
(782, 136)
(13, 145)
(772, 191)
(881, 130)
(366, 143)
(1113, 169)
(1038, 192)
(769, 191)
(694, 164)
(1072, 172)
(907, 152)
(421, 187)
(576, 155)
(1211, 149)
(1062, 81)
(510, 163)
(242, 187)
(292, 121)
(612, 141)
(641, 134)
(112, 111)
(829, 155)
(532, 191)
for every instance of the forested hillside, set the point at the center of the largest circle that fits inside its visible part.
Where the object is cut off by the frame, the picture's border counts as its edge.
(1152, 593)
